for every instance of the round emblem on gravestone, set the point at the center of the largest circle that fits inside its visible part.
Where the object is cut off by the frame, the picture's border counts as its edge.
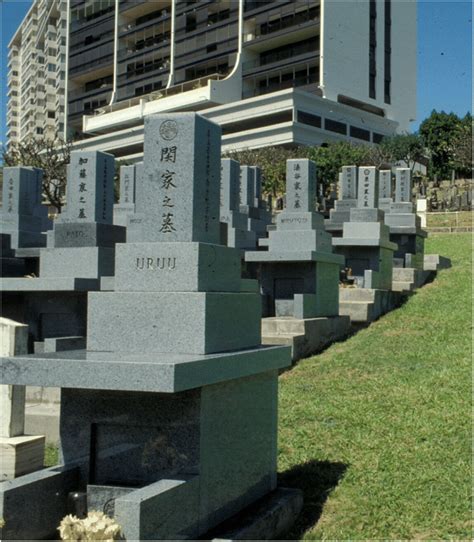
(366, 171)
(169, 130)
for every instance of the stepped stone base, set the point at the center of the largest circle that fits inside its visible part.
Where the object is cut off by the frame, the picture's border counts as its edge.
(21, 455)
(305, 336)
(267, 519)
(364, 305)
(435, 262)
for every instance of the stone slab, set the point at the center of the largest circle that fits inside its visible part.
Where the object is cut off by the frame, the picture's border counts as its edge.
(348, 183)
(297, 256)
(163, 373)
(65, 284)
(173, 322)
(368, 187)
(299, 221)
(44, 493)
(81, 262)
(20, 455)
(270, 518)
(176, 267)
(87, 234)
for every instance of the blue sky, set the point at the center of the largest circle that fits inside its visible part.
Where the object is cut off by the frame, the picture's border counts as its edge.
(444, 55)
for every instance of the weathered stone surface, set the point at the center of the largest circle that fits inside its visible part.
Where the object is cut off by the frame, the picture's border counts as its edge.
(403, 185)
(348, 183)
(87, 234)
(80, 262)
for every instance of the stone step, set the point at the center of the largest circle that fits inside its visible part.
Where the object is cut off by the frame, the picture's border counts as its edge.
(358, 311)
(278, 339)
(282, 326)
(402, 286)
(405, 274)
(357, 294)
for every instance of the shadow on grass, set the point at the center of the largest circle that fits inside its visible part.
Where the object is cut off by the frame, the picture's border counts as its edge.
(317, 479)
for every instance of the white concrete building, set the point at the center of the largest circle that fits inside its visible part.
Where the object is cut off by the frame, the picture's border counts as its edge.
(36, 73)
(281, 72)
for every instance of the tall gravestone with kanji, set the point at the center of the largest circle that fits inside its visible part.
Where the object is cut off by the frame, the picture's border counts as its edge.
(299, 273)
(405, 224)
(155, 413)
(385, 189)
(365, 241)
(234, 224)
(347, 200)
(23, 217)
(83, 239)
(129, 177)
(252, 204)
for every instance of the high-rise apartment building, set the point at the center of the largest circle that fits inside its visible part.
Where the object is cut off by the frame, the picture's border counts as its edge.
(37, 73)
(270, 72)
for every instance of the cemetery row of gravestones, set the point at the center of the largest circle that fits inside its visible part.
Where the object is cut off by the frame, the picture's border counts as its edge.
(168, 415)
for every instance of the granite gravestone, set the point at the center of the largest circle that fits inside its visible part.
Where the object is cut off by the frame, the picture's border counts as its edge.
(126, 205)
(234, 232)
(348, 179)
(252, 205)
(405, 224)
(299, 274)
(155, 414)
(23, 216)
(365, 240)
(80, 250)
(385, 190)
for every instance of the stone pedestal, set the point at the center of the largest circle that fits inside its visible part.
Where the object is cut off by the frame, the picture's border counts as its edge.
(365, 242)
(80, 251)
(169, 418)
(299, 274)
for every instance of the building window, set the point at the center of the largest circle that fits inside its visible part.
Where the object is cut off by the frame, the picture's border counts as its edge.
(39, 131)
(308, 118)
(372, 49)
(377, 138)
(335, 126)
(51, 115)
(360, 133)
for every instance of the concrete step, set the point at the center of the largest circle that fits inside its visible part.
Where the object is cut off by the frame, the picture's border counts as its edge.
(282, 326)
(405, 274)
(278, 339)
(403, 286)
(358, 311)
(357, 294)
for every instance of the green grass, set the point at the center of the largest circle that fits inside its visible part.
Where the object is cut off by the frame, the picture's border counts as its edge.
(51, 455)
(377, 430)
(449, 220)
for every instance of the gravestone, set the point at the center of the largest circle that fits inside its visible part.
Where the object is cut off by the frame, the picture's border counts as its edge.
(126, 205)
(23, 216)
(299, 274)
(365, 242)
(155, 413)
(80, 250)
(385, 190)
(252, 204)
(348, 179)
(405, 224)
(234, 224)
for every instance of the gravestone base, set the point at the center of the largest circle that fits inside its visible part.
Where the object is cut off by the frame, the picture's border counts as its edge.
(411, 247)
(21, 455)
(305, 336)
(270, 518)
(435, 262)
(364, 305)
(208, 420)
(12, 267)
(83, 262)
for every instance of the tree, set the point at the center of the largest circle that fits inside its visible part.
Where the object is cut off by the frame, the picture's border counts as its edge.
(408, 148)
(331, 157)
(50, 155)
(462, 146)
(272, 161)
(439, 133)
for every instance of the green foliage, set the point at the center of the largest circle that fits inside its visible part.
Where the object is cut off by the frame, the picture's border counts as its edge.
(442, 133)
(377, 429)
(404, 147)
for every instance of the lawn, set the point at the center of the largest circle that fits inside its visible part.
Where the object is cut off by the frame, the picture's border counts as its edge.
(377, 429)
(450, 219)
